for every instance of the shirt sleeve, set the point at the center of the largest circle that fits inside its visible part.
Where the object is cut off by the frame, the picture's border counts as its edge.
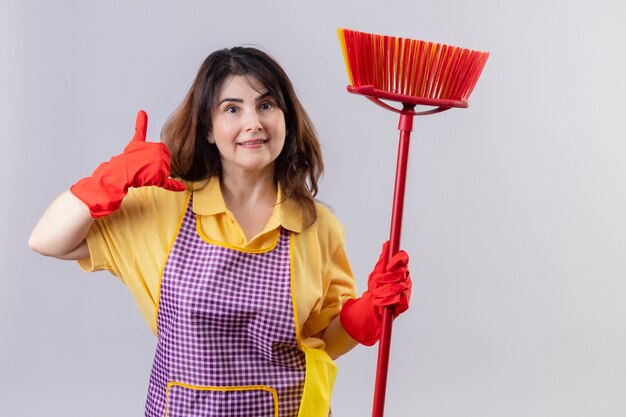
(112, 240)
(340, 286)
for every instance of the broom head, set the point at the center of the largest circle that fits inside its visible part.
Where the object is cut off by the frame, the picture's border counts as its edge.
(410, 71)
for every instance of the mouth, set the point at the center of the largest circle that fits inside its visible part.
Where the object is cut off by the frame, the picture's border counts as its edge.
(252, 142)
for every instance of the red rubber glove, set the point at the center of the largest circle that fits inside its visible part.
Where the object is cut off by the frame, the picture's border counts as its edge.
(389, 284)
(142, 163)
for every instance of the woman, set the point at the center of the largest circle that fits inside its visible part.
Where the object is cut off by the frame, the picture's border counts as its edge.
(243, 277)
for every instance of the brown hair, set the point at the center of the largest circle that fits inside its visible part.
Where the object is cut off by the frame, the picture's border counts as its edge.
(299, 165)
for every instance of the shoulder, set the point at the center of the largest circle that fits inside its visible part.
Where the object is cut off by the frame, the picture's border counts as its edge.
(156, 195)
(326, 217)
(327, 226)
(154, 203)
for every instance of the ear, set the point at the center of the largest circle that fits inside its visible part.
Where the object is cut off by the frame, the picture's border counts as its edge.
(210, 138)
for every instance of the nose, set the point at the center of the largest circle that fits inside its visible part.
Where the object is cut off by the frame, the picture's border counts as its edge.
(253, 122)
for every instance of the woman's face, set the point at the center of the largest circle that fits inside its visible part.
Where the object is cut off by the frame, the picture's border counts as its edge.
(248, 127)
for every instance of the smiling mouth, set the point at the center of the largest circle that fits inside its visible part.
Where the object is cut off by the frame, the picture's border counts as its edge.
(253, 142)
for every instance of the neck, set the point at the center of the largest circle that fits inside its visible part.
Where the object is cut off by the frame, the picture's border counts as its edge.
(256, 190)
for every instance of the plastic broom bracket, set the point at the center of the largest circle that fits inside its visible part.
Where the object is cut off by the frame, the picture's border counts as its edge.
(384, 105)
(405, 124)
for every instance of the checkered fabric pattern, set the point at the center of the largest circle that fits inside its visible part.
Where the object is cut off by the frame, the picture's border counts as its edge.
(184, 402)
(225, 320)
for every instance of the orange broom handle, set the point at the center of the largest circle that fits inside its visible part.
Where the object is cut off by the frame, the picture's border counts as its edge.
(405, 126)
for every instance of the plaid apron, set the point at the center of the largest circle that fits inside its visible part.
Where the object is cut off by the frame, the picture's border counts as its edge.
(227, 342)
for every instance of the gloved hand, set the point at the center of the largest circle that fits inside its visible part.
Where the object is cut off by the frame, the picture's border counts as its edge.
(142, 163)
(389, 284)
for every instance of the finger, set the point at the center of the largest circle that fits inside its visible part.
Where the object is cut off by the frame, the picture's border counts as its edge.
(141, 126)
(388, 300)
(174, 185)
(390, 290)
(387, 277)
(403, 303)
(397, 261)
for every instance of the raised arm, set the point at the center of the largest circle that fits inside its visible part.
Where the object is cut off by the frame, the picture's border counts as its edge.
(62, 228)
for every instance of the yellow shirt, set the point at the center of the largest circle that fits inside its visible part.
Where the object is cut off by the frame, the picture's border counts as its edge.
(133, 243)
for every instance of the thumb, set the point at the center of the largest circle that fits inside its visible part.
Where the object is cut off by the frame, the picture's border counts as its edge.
(382, 259)
(141, 126)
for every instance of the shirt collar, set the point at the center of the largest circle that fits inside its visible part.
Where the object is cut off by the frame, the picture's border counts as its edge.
(208, 201)
(207, 198)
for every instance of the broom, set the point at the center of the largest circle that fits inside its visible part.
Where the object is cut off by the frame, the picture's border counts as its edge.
(410, 72)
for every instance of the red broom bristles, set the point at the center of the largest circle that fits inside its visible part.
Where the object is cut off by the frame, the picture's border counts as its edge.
(411, 67)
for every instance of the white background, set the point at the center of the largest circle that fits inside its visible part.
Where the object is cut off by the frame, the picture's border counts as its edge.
(514, 217)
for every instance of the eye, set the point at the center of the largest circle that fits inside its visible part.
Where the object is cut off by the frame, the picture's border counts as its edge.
(266, 105)
(231, 109)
